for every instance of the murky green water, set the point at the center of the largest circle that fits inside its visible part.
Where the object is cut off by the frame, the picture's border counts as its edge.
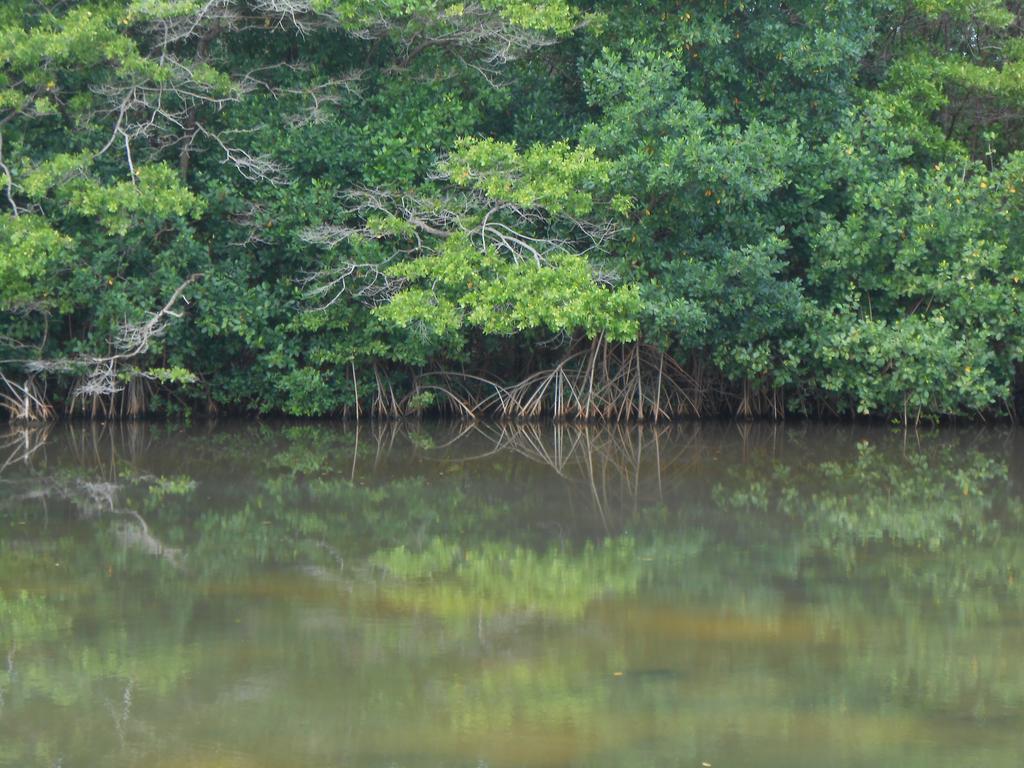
(269, 596)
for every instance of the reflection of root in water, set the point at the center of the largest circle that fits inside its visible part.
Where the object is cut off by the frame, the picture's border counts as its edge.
(105, 444)
(21, 443)
(619, 466)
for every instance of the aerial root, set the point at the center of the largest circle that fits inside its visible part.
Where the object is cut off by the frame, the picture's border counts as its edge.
(25, 401)
(601, 381)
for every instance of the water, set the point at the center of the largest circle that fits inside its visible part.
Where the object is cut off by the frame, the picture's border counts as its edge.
(442, 595)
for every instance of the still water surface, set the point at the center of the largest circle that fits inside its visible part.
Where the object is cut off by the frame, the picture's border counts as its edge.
(264, 596)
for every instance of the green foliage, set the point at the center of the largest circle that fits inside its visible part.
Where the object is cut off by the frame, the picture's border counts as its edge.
(27, 247)
(548, 15)
(155, 192)
(484, 290)
(557, 178)
(796, 203)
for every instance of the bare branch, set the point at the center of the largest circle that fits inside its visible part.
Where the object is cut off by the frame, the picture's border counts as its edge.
(479, 38)
(522, 234)
(132, 340)
(8, 177)
(328, 286)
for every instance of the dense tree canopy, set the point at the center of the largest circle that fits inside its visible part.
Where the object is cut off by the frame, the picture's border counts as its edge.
(629, 209)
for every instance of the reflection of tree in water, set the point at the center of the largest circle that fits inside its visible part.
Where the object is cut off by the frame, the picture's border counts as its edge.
(91, 494)
(610, 463)
(435, 542)
(872, 482)
(221, 502)
(18, 445)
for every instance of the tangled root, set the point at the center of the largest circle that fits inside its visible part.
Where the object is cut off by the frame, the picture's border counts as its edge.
(601, 381)
(26, 401)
